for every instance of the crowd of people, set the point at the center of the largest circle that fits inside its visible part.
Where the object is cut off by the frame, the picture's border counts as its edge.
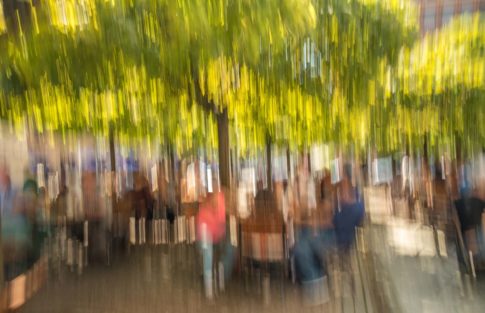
(322, 215)
(318, 212)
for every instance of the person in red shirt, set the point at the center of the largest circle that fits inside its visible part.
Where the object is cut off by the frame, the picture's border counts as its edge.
(211, 231)
(212, 214)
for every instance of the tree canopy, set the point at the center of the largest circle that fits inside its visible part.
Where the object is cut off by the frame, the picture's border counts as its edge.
(295, 71)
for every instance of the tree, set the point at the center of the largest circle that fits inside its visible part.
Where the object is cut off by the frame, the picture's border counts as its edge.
(440, 86)
(292, 71)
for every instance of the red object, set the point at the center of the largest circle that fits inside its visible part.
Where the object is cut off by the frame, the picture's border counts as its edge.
(212, 212)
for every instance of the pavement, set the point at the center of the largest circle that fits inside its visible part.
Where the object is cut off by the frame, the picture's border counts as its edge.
(160, 279)
(168, 279)
(428, 284)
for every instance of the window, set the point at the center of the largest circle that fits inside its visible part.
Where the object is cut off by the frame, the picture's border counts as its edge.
(467, 6)
(429, 17)
(448, 11)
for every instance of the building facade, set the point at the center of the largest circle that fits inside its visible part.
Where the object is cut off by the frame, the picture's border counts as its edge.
(436, 13)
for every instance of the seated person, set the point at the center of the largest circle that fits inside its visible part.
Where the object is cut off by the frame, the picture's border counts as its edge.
(349, 214)
(470, 209)
(314, 229)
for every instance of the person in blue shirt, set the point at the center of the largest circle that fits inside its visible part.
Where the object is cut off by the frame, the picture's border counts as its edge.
(349, 213)
(314, 244)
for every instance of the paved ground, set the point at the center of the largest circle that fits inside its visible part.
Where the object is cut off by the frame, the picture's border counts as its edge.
(166, 279)
(154, 280)
(426, 284)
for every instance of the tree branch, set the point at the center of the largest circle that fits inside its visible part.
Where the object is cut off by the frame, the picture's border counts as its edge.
(201, 99)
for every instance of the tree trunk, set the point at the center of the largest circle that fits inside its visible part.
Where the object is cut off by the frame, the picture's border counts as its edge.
(10, 9)
(224, 155)
(269, 169)
(112, 159)
(288, 164)
(112, 156)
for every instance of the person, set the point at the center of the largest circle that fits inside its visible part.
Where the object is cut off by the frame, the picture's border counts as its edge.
(284, 198)
(59, 207)
(94, 215)
(350, 212)
(439, 199)
(124, 211)
(171, 203)
(30, 210)
(470, 209)
(315, 234)
(7, 193)
(211, 232)
(143, 202)
(67, 212)
(16, 231)
(21, 231)
(143, 197)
